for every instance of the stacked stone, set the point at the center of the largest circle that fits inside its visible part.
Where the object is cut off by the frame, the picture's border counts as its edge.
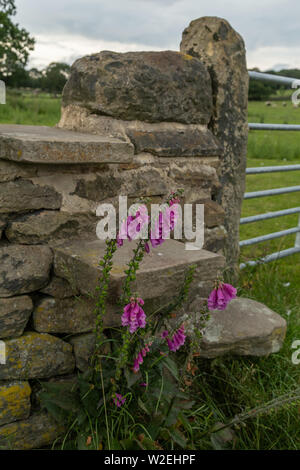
(160, 103)
(141, 130)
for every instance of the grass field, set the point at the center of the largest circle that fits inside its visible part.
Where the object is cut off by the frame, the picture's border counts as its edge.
(22, 107)
(225, 387)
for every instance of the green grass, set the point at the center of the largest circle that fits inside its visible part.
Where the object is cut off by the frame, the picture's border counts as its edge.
(267, 204)
(23, 107)
(274, 145)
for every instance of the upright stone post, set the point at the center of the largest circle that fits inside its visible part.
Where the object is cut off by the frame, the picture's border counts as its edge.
(222, 50)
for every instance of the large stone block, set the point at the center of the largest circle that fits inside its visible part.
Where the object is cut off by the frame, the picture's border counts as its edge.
(160, 273)
(41, 144)
(10, 171)
(71, 315)
(188, 142)
(40, 430)
(245, 328)
(14, 315)
(83, 348)
(213, 41)
(23, 269)
(24, 196)
(14, 401)
(146, 86)
(49, 226)
(59, 288)
(35, 355)
(204, 176)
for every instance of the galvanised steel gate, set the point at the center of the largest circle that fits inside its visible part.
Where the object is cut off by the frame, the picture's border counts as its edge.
(292, 82)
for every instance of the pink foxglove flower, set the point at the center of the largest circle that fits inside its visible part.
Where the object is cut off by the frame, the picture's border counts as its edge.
(140, 358)
(165, 224)
(134, 224)
(220, 296)
(133, 315)
(119, 400)
(178, 339)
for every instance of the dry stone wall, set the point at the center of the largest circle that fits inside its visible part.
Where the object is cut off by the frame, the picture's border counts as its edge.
(137, 125)
(132, 124)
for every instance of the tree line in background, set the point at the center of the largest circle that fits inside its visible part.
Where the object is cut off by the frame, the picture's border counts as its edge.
(15, 47)
(16, 44)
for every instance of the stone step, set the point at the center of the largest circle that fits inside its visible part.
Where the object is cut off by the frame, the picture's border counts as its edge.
(245, 328)
(160, 275)
(42, 144)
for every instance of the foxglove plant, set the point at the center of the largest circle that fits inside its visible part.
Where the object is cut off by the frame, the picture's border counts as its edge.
(220, 296)
(133, 371)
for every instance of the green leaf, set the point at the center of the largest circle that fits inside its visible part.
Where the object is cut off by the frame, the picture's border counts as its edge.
(130, 444)
(143, 407)
(172, 367)
(132, 378)
(147, 444)
(178, 437)
(221, 439)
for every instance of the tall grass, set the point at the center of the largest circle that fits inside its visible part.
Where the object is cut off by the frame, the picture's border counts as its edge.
(26, 108)
(274, 145)
(228, 386)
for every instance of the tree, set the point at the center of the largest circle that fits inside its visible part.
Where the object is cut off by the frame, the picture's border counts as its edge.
(55, 77)
(15, 42)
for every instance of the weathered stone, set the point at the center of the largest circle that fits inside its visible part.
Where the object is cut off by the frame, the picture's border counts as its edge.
(214, 238)
(222, 50)
(35, 355)
(178, 143)
(14, 315)
(3, 223)
(23, 196)
(49, 226)
(246, 328)
(159, 86)
(163, 269)
(59, 288)
(40, 430)
(10, 171)
(146, 181)
(23, 269)
(213, 214)
(203, 175)
(101, 186)
(65, 184)
(14, 401)
(83, 349)
(41, 144)
(71, 315)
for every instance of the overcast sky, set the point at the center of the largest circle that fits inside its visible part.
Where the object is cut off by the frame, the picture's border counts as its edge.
(68, 29)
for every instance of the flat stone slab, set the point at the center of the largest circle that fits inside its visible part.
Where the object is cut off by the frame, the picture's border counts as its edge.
(245, 328)
(42, 144)
(161, 272)
(175, 143)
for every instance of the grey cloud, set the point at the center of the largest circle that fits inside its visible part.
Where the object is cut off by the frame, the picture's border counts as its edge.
(160, 23)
